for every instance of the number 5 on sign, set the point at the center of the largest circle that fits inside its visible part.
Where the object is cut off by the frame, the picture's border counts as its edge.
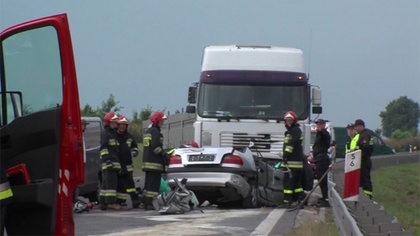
(352, 176)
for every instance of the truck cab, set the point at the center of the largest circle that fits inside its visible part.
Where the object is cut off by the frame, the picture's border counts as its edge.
(243, 94)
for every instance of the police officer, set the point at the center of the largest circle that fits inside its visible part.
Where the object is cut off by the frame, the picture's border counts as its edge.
(110, 164)
(351, 133)
(127, 150)
(292, 160)
(364, 142)
(154, 158)
(321, 158)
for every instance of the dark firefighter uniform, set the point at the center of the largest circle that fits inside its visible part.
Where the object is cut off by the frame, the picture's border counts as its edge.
(364, 142)
(154, 157)
(322, 160)
(6, 196)
(128, 150)
(109, 152)
(293, 159)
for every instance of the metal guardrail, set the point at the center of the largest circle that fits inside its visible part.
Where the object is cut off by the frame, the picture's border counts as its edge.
(346, 224)
(350, 223)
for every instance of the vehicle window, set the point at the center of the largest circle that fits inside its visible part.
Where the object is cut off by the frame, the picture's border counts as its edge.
(32, 67)
(92, 134)
(249, 101)
(376, 140)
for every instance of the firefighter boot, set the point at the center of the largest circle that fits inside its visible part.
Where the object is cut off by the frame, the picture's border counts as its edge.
(148, 204)
(135, 200)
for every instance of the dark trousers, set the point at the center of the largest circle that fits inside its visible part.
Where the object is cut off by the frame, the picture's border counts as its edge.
(365, 181)
(151, 185)
(292, 184)
(126, 186)
(322, 164)
(2, 219)
(108, 193)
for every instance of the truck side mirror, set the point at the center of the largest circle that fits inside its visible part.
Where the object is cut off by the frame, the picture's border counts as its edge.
(190, 109)
(317, 110)
(316, 96)
(192, 93)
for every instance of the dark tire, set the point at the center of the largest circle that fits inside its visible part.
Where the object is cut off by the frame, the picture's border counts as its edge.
(251, 201)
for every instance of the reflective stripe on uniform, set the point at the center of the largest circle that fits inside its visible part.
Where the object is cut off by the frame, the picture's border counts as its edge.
(130, 168)
(5, 191)
(299, 190)
(293, 164)
(151, 194)
(369, 193)
(152, 166)
(122, 196)
(129, 141)
(147, 138)
(157, 150)
(289, 148)
(287, 191)
(106, 166)
(108, 193)
(104, 152)
(131, 190)
(112, 142)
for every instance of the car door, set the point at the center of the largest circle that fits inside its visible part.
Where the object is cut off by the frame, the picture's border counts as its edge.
(41, 137)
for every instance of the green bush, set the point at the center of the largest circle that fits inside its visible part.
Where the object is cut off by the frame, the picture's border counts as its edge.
(403, 144)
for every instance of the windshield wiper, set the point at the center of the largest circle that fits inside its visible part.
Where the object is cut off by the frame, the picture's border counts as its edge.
(252, 117)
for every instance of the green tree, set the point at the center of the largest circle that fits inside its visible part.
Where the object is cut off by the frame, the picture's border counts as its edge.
(400, 114)
(109, 105)
(146, 113)
(399, 134)
(88, 111)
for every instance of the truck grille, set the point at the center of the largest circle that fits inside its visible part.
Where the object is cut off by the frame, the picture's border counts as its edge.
(271, 143)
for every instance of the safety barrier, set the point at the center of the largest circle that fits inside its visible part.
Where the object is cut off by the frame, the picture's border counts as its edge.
(365, 217)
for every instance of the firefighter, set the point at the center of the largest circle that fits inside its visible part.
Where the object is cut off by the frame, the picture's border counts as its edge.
(110, 164)
(6, 196)
(321, 158)
(127, 150)
(154, 158)
(364, 142)
(292, 160)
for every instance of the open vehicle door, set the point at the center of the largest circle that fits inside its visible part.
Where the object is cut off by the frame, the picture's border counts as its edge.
(41, 137)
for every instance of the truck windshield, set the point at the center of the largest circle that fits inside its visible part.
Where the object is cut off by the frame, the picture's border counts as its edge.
(252, 102)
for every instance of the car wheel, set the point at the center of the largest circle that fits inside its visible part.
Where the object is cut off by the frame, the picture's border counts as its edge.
(251, 201)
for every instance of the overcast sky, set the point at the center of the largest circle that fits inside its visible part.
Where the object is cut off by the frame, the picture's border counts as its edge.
(363, 54)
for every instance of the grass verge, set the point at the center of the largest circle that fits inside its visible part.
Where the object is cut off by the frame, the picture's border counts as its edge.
(397, 188)
(326, 228)
(137, 162)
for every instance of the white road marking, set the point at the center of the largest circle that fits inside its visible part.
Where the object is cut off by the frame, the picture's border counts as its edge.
(265, 227)
(193, 223)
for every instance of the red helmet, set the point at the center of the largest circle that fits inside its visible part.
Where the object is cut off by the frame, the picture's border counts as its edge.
(123, 120)
(194, 145)
(111, 116)
(157, 117)
(292, 115)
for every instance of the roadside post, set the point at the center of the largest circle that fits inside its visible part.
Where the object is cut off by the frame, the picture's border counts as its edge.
(352, 176)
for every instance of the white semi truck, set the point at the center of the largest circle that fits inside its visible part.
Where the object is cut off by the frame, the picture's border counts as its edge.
(242, 96)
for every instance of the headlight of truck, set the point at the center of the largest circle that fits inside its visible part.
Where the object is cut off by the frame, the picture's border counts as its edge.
(206, 139)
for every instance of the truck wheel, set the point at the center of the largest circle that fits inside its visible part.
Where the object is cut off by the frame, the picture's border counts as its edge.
(251, 201)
